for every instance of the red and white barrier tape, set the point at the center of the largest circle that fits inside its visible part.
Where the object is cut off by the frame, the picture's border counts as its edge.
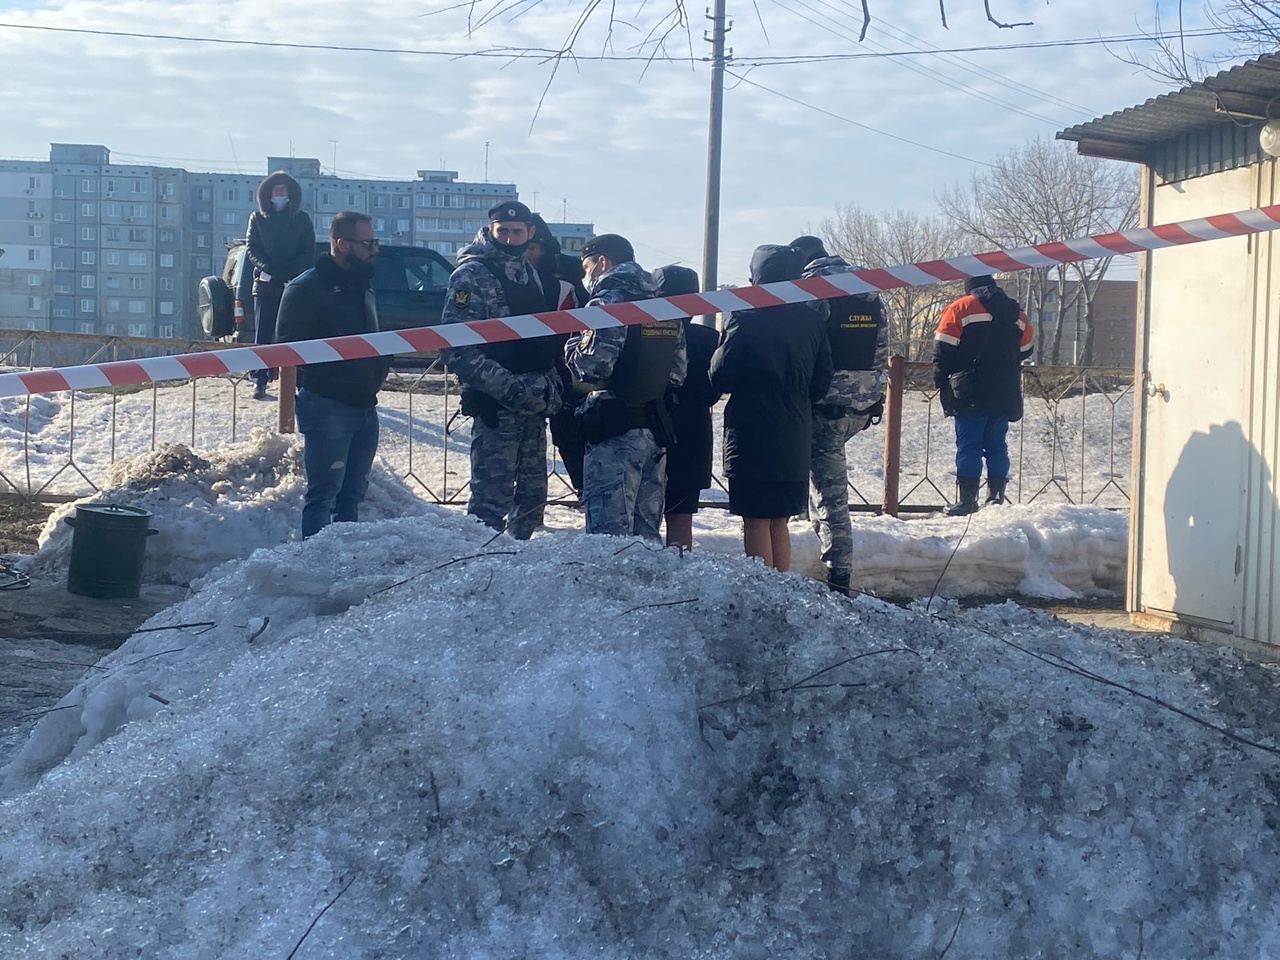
(215, 363)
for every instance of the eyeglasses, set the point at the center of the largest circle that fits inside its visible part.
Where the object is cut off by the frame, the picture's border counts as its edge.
(367, 244)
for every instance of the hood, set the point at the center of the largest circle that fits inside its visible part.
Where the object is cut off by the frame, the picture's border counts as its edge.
(824, 266)
(773, 262)
(996, 302)
(264, 193)
(629, 279)
(674, 280)
(544, 237)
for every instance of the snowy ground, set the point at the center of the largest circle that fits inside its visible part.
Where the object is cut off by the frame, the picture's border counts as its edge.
(584, 747)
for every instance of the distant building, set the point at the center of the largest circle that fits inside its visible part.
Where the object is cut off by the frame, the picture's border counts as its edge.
(92, 246)
(1115, 308)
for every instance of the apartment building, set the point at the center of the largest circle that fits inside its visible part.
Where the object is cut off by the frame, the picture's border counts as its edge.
(93, 246)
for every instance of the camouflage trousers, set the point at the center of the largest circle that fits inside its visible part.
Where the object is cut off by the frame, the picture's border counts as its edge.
(624, 479)
(509, 472)
(829, 488)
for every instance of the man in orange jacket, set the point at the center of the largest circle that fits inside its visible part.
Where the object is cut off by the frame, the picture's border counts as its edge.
(981, 341)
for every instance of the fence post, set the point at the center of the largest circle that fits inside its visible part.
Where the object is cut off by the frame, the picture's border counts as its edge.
(892, 436)
(288, 387)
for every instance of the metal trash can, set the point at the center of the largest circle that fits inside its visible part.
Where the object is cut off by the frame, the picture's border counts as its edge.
(107, 550)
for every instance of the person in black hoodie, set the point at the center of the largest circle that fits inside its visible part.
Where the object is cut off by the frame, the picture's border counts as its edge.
(775, 364)
(689, 458)
(337, 402)
(281, 244)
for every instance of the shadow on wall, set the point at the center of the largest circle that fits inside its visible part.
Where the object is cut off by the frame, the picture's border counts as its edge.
(1205, 514)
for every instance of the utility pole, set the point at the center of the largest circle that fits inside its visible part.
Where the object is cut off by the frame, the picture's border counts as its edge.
(711, 223)
(486, 161)
(335, 156)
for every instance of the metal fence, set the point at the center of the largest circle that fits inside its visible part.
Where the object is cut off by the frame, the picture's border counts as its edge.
(1072, 445)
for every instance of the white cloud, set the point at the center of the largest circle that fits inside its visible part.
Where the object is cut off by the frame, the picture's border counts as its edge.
(624, 147)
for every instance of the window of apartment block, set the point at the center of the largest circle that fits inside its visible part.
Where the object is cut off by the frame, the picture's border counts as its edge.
(167, 236)
(325, 222)
(443, 246)
(34, 303)
(202, 240)
(422, 200)
(86, 210)
(111, 209)
(166, 213)
(232, 194)
(380, 225)
(204, 193)
(326, 198)
(80, 327)
(475, 203)
(137, 329)
(88, 257)
(88, 233)
(204, 216)
(137, 306)
(229, 217)
(113, 258)
(88, 186)
(379, 201)
(351, 200)
(137, 283)
(457, 200)
(427, 223)
(110, 187)
(166, 330)
(166, 308)
(166, 189)
(33, 230)
(137, 259)
(166, 259)
(34, 279)
(31, 207)
(113, 306)
(137, 186)
(203, 265)
(113, 283)
(88, 281)
(137, 235)
(403, 202)
(138, 210)
(166, 283)
(86, 306)
(111, 233)
(402, 226)
(33, 183)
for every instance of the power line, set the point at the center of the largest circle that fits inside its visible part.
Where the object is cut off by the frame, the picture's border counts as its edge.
(836, 116)
(547, 54)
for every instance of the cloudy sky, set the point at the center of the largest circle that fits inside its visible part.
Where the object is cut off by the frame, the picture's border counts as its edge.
(615, 142)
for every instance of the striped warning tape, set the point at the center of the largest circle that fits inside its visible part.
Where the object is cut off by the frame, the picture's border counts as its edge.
(215, 363)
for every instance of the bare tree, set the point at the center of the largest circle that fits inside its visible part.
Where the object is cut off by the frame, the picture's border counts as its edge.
(870, 239)
(1252, 28)
(1042, 192)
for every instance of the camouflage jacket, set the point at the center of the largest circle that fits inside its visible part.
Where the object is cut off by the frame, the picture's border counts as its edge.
(592, 355)
(475, 294)
(856, 389)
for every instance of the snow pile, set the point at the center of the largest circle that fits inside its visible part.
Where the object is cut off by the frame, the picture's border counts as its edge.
(581, 747)
(246, 495)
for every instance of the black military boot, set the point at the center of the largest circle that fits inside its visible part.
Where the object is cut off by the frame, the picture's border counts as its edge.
(968, 503)
(995, 489)
(838, 583)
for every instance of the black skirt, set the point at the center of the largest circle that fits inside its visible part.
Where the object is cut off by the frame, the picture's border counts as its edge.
(759, 499)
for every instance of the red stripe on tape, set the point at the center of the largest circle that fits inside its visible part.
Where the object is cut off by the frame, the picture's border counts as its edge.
(1230, 223)
(202, 364)
(941, 270)
(44, 381)
(694, 304)
(1061, 252)
(424, 338)
(1173, 233)
(353, 348)
(561, 322)
(1000, 261)
(820, 287)
(493, 331)
(1118, 243)
(757, 297)
(282, 355)
(882, 279)
(628, 313)
(120, 372)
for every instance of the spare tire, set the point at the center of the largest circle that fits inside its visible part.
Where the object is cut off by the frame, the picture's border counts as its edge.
(217, 308)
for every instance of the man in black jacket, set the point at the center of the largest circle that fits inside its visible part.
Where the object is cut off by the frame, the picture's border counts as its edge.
(281, 243)
(337, 402)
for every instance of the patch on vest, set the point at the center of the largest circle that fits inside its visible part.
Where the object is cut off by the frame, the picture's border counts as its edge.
(584, 342)
(858, 321)
(461, 297)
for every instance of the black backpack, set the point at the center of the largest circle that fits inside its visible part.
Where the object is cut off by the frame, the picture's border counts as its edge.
(217, 308)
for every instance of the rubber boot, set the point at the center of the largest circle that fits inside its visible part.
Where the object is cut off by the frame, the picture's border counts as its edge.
(995, 489)
(968, 503)
(838, 583)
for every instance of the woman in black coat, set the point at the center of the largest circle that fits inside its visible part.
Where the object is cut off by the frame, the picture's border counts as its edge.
(774, 363)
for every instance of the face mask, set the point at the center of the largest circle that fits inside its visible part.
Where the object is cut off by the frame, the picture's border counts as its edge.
(279, 202)
(512, 249)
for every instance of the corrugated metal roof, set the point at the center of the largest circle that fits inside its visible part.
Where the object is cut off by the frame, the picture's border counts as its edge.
(1247, 91)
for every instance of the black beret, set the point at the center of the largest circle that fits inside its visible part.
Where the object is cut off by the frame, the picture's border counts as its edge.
(616, 248)
(510, 211)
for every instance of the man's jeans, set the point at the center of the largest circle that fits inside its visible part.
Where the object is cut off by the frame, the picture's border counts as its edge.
(980, 435)
(339, 444)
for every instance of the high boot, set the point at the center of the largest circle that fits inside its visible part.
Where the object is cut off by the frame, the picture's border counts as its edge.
(838, 582)
(995, 489)
(968, 503)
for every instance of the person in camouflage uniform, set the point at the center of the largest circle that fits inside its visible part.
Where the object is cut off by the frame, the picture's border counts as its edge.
(509, 389)
(859, 337)
(625, 372)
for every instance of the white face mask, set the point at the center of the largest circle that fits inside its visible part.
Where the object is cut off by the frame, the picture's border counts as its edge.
(279, 202)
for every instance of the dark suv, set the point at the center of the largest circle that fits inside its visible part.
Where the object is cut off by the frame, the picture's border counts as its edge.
(409, 283)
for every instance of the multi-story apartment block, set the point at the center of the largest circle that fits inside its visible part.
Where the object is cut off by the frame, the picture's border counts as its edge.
(94, 246)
